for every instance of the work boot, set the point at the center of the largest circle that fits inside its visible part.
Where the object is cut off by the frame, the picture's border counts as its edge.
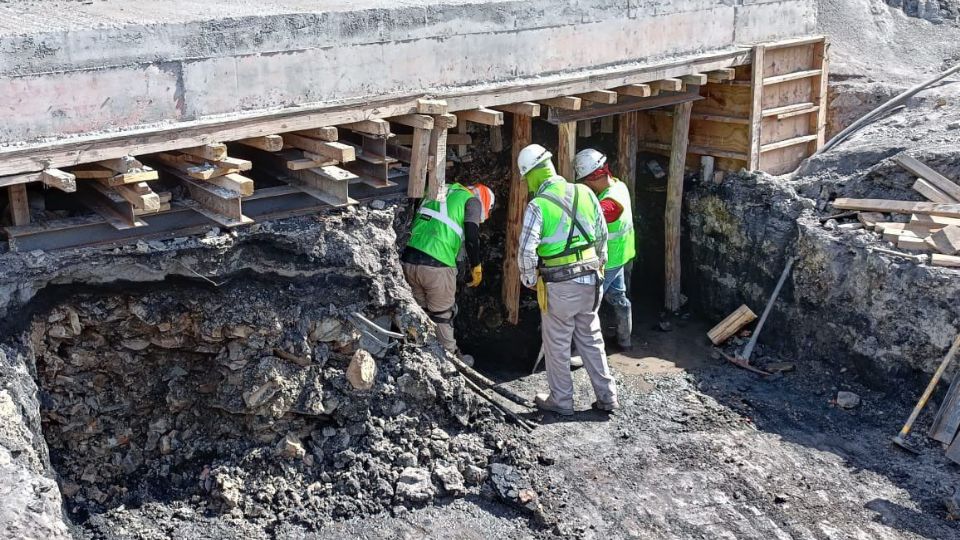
(624, 327)
(545, 403)
(604, 406)
(576, 362)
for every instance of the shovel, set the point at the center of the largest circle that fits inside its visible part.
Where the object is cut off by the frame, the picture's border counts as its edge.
(901, 438)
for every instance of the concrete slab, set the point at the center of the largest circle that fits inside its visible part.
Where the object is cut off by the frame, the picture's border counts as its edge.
(81, 69)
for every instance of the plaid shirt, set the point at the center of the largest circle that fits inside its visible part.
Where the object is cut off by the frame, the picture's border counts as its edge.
(532, 232)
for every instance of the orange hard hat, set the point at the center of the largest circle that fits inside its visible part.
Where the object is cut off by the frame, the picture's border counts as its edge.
(487, 199)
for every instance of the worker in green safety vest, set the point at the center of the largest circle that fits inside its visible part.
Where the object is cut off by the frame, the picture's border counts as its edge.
(592, 170)
(563, 248)
(440, 229)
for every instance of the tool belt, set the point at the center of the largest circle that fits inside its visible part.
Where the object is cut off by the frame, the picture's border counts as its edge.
(555, 274)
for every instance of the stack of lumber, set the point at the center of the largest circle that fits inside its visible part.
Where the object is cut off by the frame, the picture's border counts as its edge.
(118, 190)
(934, 226)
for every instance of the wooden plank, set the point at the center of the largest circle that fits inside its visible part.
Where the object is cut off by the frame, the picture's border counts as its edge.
(445, 121)
(949, 261)
(58, 179)
(437, 164)
(19, 204)
(805, 74)
(517, 201)
(212, 151)
(569, 103)
(795, 42)
(947, 240)
(818, 123)
(721, 75)
(164, 138)
(373, 126)
(606, 124)
(557, 116)
(523, 109)
(417, 121)
(585, 129)
(695, 79)
(566, 149)
(635, 90)
(786, 109)
(720, 118)
(756, 108)
(496, 139)
(604, 97)
(146, 174)
(432, 106)
(419, 161)
(269, 143)
(193, 170)
(121, 164)
(947, 420)
(488, 117)
(933, 220)
(671, 219)
(931, 192)
(626, 164)
(91, 171)
(898, 207)
(789, 142)
(732, 324)
(920, 169)
(869, 219)
(142, 198)
(667, 85)
(236, 183)
(912, 243)
(326, 133)
(333, 150)
(461, 150)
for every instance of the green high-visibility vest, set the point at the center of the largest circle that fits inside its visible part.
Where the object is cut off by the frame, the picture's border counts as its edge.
(557, 223)
(621, 238)
(438, 228)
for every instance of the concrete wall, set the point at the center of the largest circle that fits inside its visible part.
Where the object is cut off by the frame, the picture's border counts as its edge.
(67, 68)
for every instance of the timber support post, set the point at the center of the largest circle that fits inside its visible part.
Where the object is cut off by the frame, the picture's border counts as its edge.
(671, 218)
(627, 142)
(566, 149)
(522, 136)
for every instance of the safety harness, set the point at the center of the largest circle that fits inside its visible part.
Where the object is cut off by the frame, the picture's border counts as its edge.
(572, 262)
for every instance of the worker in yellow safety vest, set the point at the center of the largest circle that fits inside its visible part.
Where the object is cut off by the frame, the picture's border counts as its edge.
(563, 248)
(440, 229)
(592, 170)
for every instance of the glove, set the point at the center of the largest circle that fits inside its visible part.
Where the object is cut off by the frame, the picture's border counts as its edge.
(542, 294)
(477, 276)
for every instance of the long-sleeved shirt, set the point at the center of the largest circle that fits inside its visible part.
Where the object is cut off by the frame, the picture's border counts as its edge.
(532, 232)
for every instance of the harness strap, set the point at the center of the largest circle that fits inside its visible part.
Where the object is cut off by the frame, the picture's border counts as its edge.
(442, 217)
(576, 225)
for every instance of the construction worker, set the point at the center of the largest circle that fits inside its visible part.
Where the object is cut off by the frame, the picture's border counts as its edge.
(562, 253)
(592, 170)
(440, 229)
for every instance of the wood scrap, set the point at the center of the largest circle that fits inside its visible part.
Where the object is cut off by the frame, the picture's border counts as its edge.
(932, 177)
(933, 220)
(869, 219)
(731, 324)
(212, 152)
(947, 240)
(912, 242)
(269, 143)
(327, 133)
(898, 207)
(234, 182)
(121, 165)
(949, 261)
(58, 179)
(931, 192)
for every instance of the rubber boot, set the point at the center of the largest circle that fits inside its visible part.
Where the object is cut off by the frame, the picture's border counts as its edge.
(624, 326)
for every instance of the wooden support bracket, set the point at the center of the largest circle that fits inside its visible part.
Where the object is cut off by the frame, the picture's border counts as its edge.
(58, 179)
(487, 117)
(523, 109)
(604, 97)
(569, 103)
(373, 126)
(269, 143)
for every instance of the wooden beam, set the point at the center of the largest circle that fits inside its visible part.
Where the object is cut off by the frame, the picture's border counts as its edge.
(91, 170)
(333, 150)
(556, 116)
(606, 124)
(417, 121)
(269, 143)
(431, 106)
(510, 291)
(496, 139)
(931, 192)
(419, 161)
(787, 143)
(721, 75)
(756, 108)
(898, 207)
(326, 133)
(920, 169)
(626, 166)
(58, 179)
(950, 261)
(437, 163)
(671, 219)
(818, 123)
(212, 152)
(121, 164)
(445, 121)
(585, 129)
(524, 109)
(732, 324)
(487, 117)
(667, 85)
(635, 90)
(237, 183)
(805, 74)
(139, 195)
(566, 149)
(19, 204)
(947, 240)
(604, 97)
(373, 126)
(569, 103)
(695, 79)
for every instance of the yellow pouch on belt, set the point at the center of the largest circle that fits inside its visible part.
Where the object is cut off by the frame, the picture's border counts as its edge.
(542, 294)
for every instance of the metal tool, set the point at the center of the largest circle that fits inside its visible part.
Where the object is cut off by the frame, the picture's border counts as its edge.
(901, 438)
(748, 350)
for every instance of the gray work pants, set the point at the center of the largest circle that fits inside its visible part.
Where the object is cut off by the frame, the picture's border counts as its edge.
(435, 290)
(572, 315)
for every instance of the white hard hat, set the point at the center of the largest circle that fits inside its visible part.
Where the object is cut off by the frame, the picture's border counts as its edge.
(531, 156)
(588, 161)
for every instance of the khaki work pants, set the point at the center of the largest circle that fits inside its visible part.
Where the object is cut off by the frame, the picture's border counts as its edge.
(435, 290)
(572, 315)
